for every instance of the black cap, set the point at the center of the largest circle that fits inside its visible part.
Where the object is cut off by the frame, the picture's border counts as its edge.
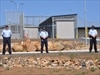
(93, 26)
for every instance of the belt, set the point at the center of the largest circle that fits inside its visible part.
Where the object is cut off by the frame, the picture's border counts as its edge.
(6, 37)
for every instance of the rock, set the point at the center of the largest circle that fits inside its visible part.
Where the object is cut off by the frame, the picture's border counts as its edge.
(54, 65)
(90, 64)
(5, 58)
(17, 47)
(1, 47)
(38, 46)
(44, 63)
(47, 62)
(50, 46)
(58, 46)
(1, 64)
(31, 47)
(84, 64)
(18, 65)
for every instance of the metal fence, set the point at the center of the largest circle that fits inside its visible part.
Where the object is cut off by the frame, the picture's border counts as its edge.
(15, 22)
(34, 20)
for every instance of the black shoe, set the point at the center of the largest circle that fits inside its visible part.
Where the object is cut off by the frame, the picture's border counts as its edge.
(89, 51)
(96, 51)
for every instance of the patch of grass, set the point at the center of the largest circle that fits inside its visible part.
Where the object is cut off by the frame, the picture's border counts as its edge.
(68, 70)
(72, 56)
(58, 70)
(92, 69)
(7, 68)
(83, 73)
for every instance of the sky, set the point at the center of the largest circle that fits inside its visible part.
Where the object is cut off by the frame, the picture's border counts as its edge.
(54, 7)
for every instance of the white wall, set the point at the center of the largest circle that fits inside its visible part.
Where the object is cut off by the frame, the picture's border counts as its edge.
(31, 32)
(65, 29)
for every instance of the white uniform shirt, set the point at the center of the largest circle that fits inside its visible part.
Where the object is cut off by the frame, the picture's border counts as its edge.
(93, 32)
(6, 33)
(44, 34)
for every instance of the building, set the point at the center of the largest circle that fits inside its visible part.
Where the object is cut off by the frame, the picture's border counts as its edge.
(61, 26)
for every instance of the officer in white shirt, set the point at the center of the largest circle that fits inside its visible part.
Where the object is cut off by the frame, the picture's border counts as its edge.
(6, 34)
(93, 35)
(44, 40)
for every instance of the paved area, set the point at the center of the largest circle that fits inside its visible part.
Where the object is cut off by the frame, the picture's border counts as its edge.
(51, 52)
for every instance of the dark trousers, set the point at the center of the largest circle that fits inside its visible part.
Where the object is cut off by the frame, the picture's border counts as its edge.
(44, 42)
(93, 42)
(6, 41)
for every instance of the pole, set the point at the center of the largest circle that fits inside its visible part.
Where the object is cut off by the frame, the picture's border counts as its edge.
(85, 22)
(53, 27)
(17, 19)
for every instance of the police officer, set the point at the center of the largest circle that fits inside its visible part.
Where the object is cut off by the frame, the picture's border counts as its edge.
(93, 35)
(44, 40)
(6, 34)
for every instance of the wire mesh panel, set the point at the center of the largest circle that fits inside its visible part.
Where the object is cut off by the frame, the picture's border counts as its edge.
(15, 21)
(34, 20)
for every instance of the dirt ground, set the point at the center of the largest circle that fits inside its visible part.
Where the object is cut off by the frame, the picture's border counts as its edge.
(52, 71)
(46, 71)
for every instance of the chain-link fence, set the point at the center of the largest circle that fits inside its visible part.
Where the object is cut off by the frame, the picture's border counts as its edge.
(34, 20)
(15, 22)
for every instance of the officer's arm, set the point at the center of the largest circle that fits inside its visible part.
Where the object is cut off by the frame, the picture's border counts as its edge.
(90, 36)
(96, 33)
(47, 35)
